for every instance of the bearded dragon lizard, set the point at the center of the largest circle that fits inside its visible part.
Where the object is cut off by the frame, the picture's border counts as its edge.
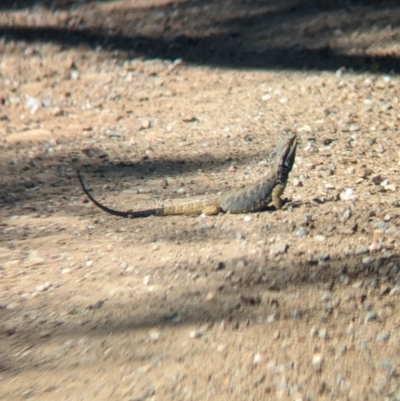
(252, 198)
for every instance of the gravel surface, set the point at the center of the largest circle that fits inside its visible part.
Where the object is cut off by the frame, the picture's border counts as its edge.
(160, 102)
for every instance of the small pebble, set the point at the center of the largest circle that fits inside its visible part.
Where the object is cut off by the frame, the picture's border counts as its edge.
(324, 256)
(367, 260)
(308, 147)
(358, 284)
(373, 248)
(195, 334)
(347, 214)
(326, 296)
(44, 287)
(57, 111)
(340, 72)
(390, 187)
(202, 330)
(348, 195)
(354, 127)
(301, 232)
(371, 316)
(377, 179)
(145, 124)
(210, 296)
(154, 335)
(45, 334)
(381, 225)
(318, 361)
(361, 250)
(297, 313)
(387, 218)
(385, 364)
(257, 359)
(278, 249)
(323, 334)
(219, 266)
(320, 238)
(384, 336)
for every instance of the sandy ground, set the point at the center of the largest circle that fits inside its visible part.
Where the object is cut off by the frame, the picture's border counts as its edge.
(161, 102)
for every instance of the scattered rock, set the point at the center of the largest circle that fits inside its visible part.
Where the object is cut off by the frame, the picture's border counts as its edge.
(94, 153)
(347, 214)
(323, 334)
(201, 331)
(348, 195)
(320, 238)
(301, 232)
(384, 336)
(297, 313)
(377, 179)
(45, 334)
(210, 296)
(368, 260)
(317, 361)
(219, 266)
(278, 249)
(257, 359)
(370, 317)
(395, 290)
(154, 335)
(250, 300)
(190, 119)
(361, 250)
(145, 124)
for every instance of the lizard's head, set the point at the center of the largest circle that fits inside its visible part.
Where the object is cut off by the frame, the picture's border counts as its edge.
(286, 155)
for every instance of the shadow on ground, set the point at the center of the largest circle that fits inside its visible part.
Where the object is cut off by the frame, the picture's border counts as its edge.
(238, 302)
(27, 183)
(292, 35)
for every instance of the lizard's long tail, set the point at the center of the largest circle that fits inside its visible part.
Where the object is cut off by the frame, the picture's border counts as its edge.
(128, 214)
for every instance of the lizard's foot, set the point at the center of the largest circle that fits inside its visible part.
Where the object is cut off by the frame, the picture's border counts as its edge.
(277, 202)
(287, 205)
(211, 210)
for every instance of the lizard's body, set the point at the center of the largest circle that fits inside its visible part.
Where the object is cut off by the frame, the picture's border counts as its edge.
(252, 198)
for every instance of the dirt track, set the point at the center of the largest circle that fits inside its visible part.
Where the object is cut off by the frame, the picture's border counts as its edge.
(166, 102)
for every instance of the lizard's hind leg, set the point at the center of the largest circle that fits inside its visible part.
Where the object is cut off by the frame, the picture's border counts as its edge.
(211, 210)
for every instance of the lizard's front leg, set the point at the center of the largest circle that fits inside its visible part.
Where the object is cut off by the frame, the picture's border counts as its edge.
(276, 195)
